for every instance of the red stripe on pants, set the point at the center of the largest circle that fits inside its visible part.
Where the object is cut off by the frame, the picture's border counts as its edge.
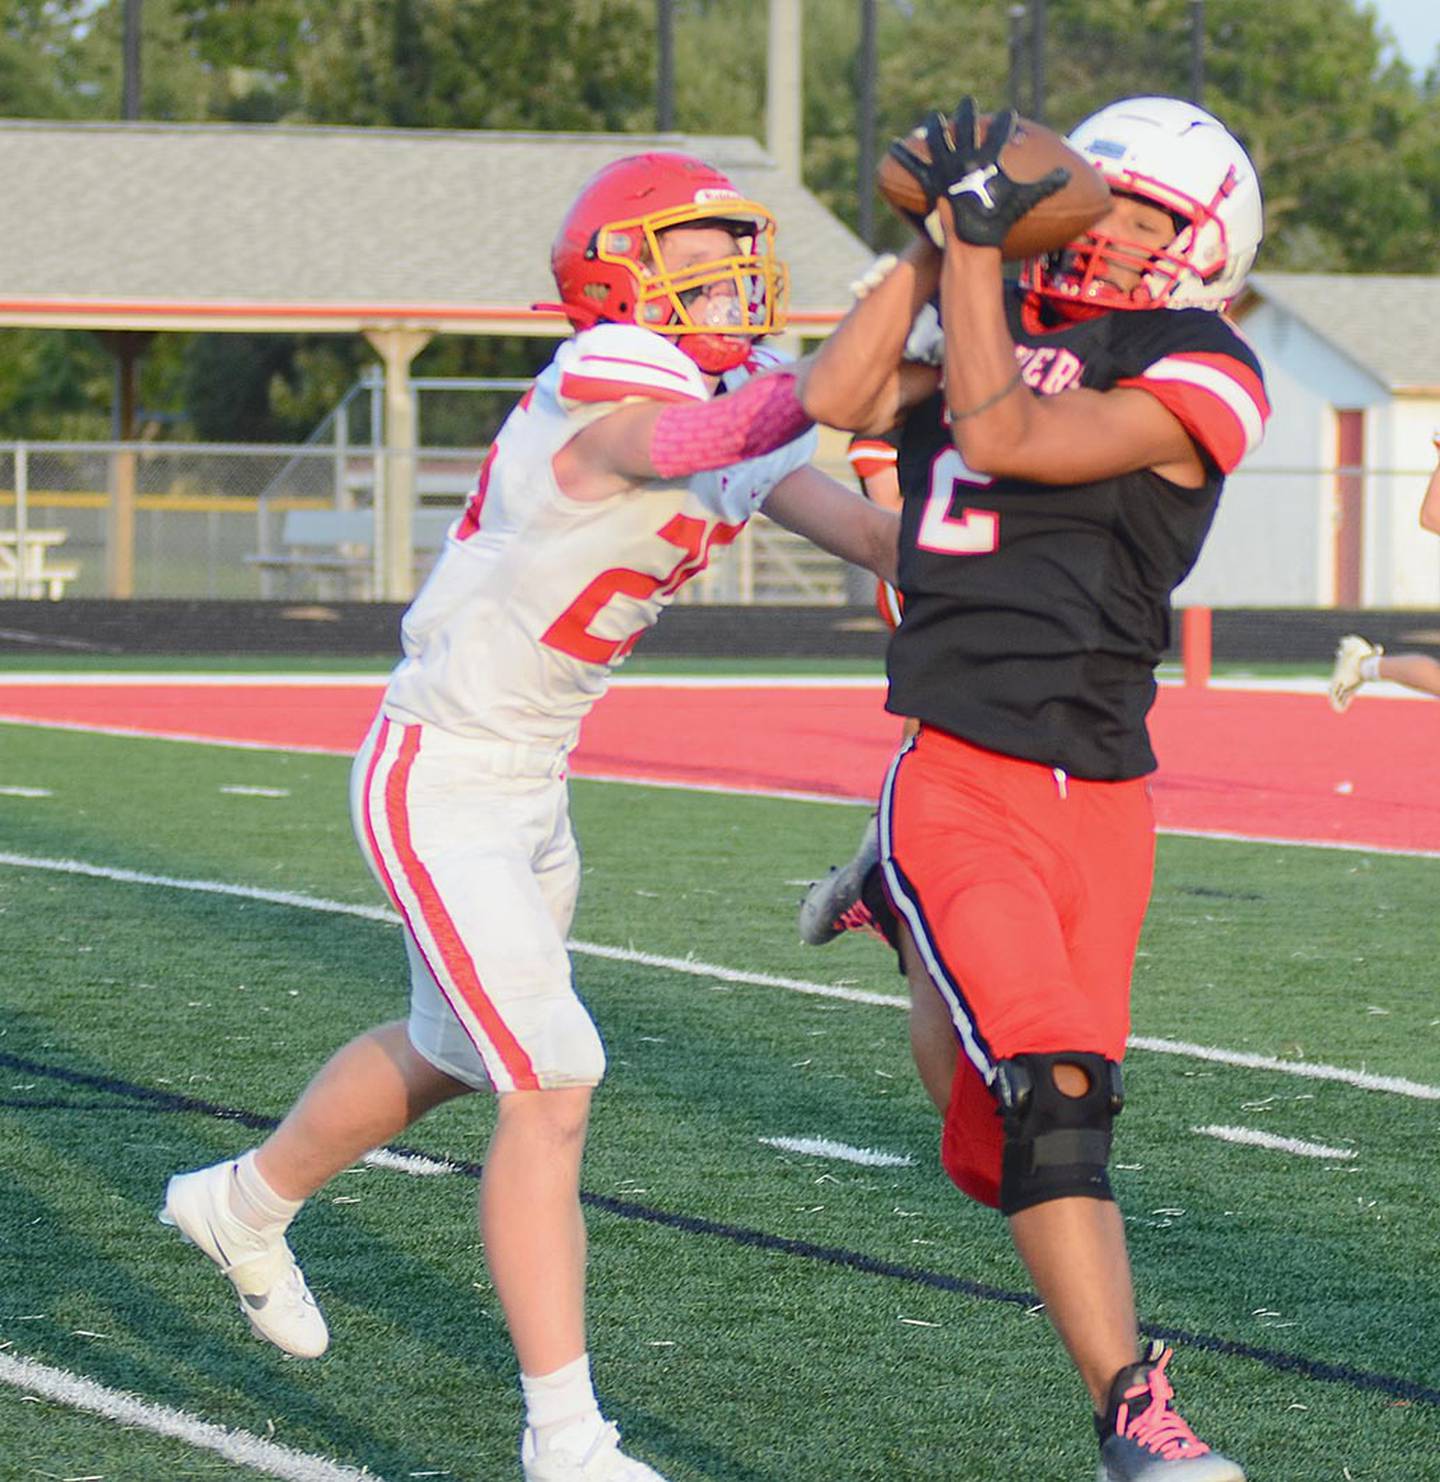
(459, 965)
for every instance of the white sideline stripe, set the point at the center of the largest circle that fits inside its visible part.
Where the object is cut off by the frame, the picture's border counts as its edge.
(1306, 1069)
(206, 887)
(783, 794)
(237, 1446)
(412, 1163)
(699, 969)
(26, 792)
(239, 790)
(823, 1147)
(1229, 838)
(1251, 1138)
(189, 740)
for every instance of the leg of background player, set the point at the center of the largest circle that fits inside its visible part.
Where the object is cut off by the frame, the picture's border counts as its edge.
(1417, 671)
(1359, 662)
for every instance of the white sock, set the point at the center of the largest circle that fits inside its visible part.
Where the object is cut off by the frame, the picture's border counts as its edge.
(1370, 667)
(554, 1401)
(254, 1203)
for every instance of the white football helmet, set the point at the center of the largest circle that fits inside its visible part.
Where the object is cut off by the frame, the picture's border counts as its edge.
(1171, 154)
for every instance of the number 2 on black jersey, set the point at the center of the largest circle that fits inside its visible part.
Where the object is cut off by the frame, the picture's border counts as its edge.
(974, 532)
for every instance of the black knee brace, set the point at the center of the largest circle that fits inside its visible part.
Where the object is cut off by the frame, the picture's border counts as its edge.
(1056, 1146)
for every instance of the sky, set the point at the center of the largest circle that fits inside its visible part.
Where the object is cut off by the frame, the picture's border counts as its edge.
(1415, 24)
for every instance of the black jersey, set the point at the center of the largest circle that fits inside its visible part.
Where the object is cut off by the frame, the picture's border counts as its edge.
(1035, 614)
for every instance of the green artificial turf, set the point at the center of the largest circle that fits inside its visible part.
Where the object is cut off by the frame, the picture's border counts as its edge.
(757, 1315)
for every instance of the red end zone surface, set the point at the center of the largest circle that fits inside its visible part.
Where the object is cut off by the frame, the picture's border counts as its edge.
(1258, 763)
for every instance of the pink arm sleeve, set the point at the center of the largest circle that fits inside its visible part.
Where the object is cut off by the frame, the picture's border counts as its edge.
(690, 437)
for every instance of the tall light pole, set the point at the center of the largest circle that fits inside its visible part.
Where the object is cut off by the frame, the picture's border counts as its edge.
(1037, 60)
(865, 155)
(1197, 52)
(783, 87)
(665, 66)
(130, 98)
(1017, 54)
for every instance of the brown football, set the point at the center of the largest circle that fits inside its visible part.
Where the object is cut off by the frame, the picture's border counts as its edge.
(1033, 151)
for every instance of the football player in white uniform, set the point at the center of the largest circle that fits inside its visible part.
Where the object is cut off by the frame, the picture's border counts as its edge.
(610, 485)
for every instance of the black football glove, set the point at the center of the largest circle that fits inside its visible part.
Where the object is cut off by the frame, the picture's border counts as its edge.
(925, 221)
(984, 201)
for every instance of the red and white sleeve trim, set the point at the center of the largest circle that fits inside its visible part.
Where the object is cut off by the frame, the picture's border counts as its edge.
(1219, 401)
(592, 377)
(869, 456)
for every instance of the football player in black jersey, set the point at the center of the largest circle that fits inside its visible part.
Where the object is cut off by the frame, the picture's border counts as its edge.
(1059, 475)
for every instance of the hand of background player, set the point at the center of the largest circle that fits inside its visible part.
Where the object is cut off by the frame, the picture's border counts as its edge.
(964, 170)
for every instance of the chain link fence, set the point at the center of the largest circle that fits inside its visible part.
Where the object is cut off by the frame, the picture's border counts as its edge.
(170, 520)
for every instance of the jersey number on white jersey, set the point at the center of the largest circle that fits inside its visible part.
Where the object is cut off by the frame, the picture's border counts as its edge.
(570, 632)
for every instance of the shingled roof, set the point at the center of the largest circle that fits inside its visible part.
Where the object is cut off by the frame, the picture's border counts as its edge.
(1386, 325)
(189, 226)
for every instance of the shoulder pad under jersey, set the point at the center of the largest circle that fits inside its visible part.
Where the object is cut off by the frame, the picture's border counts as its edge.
(613, 361)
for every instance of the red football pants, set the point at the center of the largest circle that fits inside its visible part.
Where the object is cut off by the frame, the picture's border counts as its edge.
(1025, 891)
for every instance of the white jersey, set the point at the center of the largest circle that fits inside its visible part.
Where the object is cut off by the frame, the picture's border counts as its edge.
(537, 597)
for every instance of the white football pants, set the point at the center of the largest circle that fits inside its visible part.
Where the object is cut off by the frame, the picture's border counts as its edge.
(471, 841)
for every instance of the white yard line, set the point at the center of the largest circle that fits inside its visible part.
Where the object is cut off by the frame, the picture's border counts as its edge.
(246, 1450)
(1304, 1069)
(415, 1164)
(1249, 1137)
(824, 1147)
(26, 792)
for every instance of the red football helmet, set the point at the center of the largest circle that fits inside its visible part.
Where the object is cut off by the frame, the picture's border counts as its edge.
(609, 258)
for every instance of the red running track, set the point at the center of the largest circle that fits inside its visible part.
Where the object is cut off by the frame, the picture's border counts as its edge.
(1262, 764)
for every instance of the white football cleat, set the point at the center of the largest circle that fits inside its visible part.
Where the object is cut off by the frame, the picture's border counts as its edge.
(1345, 677)
(588, 1451)
(271, 1287)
